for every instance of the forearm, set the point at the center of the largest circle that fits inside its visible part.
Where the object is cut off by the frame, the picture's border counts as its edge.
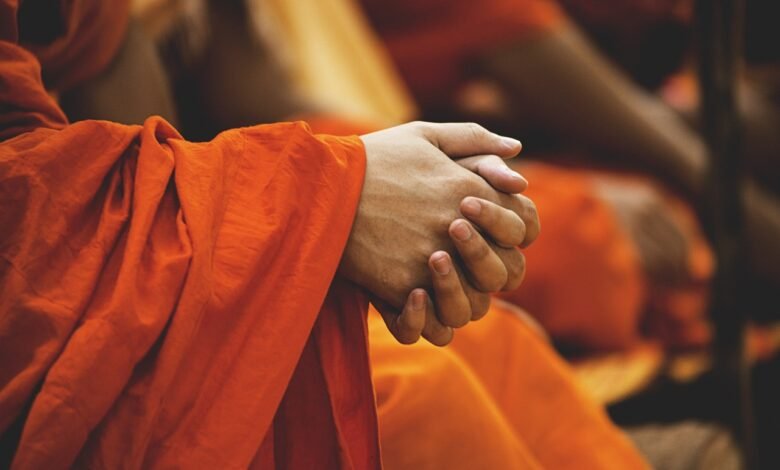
(561, 83)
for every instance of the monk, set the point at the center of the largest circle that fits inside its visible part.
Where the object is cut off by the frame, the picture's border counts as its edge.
(153, 311)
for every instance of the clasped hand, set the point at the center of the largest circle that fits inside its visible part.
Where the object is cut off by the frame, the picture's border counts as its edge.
(439, 212)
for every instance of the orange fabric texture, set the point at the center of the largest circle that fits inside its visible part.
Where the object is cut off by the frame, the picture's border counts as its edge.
(584, 282)
(332, 125)
(172, 304)
(498, 397)
(432, 41)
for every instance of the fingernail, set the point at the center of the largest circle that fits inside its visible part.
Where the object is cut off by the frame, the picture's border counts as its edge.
(511, 144)
(418, 300)
(461, 231)
(442, 264)
(515, 175)
(471, 207)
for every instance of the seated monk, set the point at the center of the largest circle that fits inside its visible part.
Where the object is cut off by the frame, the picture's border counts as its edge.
(168, 303)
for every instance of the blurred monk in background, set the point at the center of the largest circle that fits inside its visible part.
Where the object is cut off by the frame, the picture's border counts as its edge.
(522, 64)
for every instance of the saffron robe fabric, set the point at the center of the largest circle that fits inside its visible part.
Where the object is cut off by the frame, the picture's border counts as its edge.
(166, 303)
(434, 41)
(497, 397)
(610, 304)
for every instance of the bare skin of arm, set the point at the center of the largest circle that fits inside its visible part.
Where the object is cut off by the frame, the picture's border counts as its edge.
(561, 83)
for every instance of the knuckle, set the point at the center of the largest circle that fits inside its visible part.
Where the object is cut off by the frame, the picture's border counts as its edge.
(495, 160)
(405, 337)
(530, 210)
(454, 315)
(516, 270)
(472, 185)
(496, 281)
(475, 132)
(422, 128)
(453, 307)
(420, 125)
(474, 128)
(404, 278)
(534, 217)
(440, 337)
(459, 317)
(519, 233)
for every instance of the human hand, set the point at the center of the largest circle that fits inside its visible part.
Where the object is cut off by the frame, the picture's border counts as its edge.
(418, 198)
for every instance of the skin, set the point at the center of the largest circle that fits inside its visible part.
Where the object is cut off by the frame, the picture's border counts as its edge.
(418, 206)
(560, 83)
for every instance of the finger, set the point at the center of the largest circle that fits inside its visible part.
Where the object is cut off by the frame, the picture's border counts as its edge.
(406, 326)
(504, 226)
(479, 301)
(515, 264)
(486, 270)
(452, 306)
(433, 331)
(526, 209)
(467, 139)
(496, 172)
(411, 321)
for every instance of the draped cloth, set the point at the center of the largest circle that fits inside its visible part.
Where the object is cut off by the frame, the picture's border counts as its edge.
(166, 303)
(497, 397)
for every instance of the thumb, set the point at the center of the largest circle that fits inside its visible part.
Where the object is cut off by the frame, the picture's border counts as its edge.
(467, 139)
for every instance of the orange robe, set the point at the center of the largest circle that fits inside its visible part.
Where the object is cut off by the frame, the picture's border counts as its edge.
(497, 397)
(434, 41)
(609, 302)
(584, 281)
(172, 304)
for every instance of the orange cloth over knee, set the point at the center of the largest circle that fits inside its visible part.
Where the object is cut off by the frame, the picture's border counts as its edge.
(584, 281)
(498, 397)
